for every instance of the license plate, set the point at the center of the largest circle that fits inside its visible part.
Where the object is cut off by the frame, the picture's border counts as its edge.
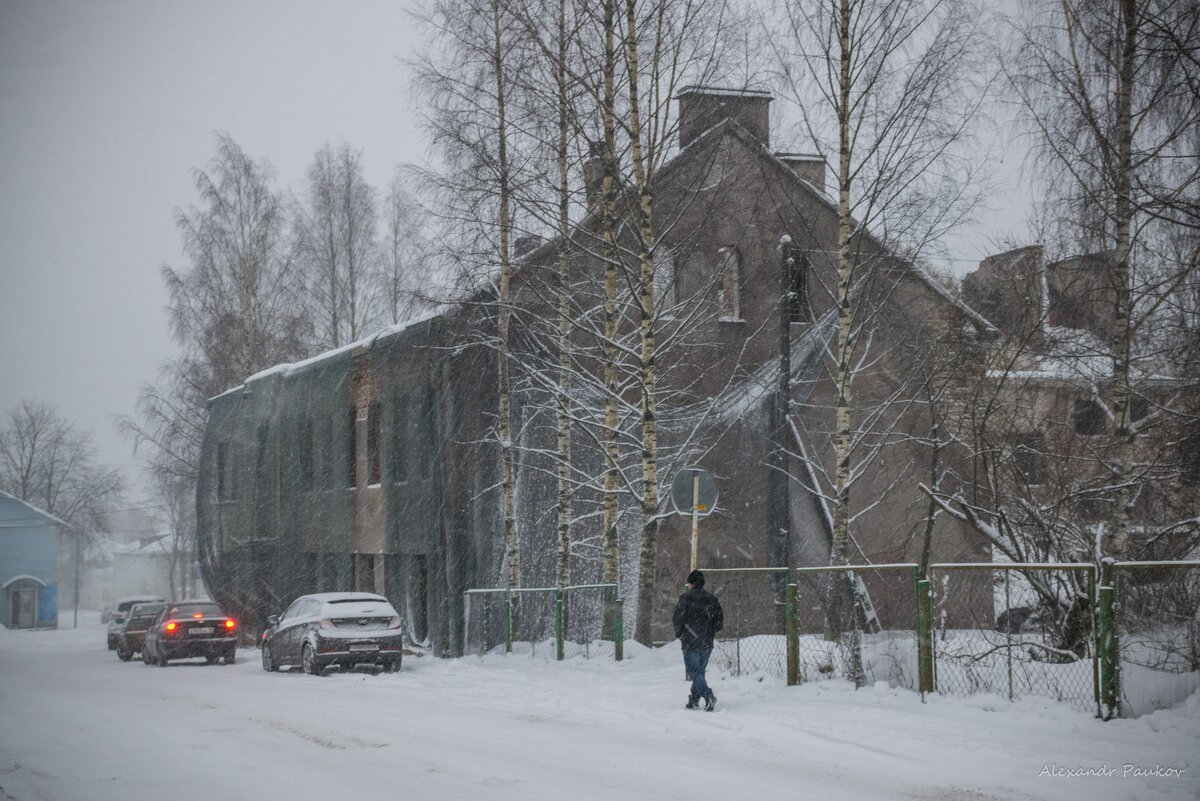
(201, 631)
(363, 647)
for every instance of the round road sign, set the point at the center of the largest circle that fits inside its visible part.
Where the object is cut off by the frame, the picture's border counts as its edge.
(693, 485)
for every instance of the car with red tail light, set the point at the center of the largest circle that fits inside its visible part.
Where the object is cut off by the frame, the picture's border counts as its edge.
(191, 630)
(330, 629)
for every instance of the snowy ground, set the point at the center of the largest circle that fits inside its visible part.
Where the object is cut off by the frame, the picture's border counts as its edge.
(76, 724)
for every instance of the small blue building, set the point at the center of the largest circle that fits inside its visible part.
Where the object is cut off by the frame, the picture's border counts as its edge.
(28, 565)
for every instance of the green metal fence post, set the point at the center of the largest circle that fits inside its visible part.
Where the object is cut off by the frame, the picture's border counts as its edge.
(507, 622)
(618, 624)
(925, 671)
(793, 639)
(1108, 655)
(558, 625)
(1093, 605)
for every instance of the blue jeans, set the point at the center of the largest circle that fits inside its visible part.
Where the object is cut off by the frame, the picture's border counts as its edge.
(696, 662)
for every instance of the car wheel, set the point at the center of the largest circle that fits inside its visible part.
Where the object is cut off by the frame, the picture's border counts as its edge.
(210, 660)
(124, 654)
(231, 657)
(392, 665)
(308, 661)
(268, 659)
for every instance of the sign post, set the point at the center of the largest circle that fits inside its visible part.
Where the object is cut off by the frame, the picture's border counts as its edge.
(694, 492)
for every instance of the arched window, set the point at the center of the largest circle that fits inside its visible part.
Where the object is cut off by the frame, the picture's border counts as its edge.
(730, 276)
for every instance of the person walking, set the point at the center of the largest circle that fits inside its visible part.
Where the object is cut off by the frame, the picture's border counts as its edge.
(698, 617)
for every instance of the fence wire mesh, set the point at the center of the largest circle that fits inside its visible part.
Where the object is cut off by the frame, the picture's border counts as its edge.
(1158, 634)
(528, 619)
(754, 639)
(1015, 630)
(873, 640)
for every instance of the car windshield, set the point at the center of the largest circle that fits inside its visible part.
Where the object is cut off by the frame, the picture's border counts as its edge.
(146, 610)
(192, 610)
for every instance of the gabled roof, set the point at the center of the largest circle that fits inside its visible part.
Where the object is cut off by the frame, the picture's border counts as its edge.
(29, 512)
(727, 126)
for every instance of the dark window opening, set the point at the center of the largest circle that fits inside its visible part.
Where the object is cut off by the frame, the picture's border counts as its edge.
(327, 458)
(224, 474)
(260, 457)
(399, 427)
(1139, 407)
(374, 463)
(352, 449)
(263, 491)
(1089, 418)
(427, 460)
(304, 450)
(418, 598)
(1030, 457)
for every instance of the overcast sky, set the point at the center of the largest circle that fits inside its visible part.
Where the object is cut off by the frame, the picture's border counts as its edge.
(105, 109)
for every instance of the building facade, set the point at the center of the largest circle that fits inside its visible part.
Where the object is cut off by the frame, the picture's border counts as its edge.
(375, 466)
(29, 542)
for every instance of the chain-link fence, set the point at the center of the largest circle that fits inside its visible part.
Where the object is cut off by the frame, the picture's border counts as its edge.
(544, 622)
(754, 602)
(1016, 630)
(858, 622)
(1157, 620)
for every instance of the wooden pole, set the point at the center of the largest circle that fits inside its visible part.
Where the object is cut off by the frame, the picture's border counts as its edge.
(695, 515)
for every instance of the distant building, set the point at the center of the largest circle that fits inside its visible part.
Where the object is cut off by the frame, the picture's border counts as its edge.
(1055, 418)
(29, 539)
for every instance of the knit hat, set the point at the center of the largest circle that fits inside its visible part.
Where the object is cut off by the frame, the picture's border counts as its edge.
(696, 578)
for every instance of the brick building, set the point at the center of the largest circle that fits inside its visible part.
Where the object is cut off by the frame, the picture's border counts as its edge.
(375, 466)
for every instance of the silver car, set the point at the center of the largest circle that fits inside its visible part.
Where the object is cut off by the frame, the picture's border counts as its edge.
(334, 628)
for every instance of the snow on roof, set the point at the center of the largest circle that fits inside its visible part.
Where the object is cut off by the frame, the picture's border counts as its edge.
(159, 545)
(35, 511)
(291, 368)
(718, 91)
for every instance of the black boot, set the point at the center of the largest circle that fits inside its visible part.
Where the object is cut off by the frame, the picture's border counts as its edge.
(693, 703)
(710, 701)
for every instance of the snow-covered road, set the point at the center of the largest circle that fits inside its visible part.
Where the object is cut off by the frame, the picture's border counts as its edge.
(76, 724)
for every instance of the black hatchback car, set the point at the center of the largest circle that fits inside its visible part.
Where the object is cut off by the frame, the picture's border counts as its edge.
(334, 628)
(131, 629)
(190, 629)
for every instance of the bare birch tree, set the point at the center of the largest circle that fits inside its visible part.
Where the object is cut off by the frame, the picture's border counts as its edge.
(1112, 89)
(887, 87)
(336, 249)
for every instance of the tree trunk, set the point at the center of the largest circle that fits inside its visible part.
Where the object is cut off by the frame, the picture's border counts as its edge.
(844, 377)
(611, 557)
(512, 547)
(564, 320)
(1122, 334)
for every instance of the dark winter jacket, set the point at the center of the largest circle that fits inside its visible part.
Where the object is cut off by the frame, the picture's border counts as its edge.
(698, 618)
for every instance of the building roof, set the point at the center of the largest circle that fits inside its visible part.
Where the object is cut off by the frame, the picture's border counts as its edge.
(549, 245)
(27, 512)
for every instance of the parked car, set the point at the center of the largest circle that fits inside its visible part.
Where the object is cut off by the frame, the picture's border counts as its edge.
(116, 614)
(131, 633)
(190, 629)
(334, 628)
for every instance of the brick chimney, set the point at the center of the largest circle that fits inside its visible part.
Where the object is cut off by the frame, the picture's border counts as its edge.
(809, 166)
(702, 107)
